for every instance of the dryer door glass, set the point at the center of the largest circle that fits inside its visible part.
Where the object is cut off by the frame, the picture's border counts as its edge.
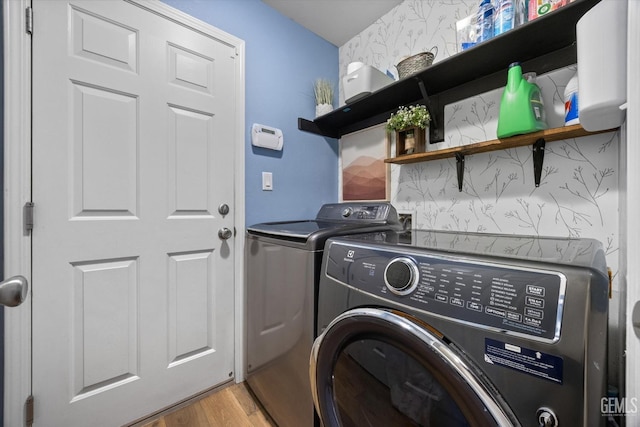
(374, 367)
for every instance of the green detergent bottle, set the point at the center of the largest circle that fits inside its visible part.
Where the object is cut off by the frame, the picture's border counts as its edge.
(521, 107)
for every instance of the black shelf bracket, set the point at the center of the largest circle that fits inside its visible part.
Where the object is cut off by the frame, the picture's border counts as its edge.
(538, 159)
(436, 127)
(460, 169)
(427, 102)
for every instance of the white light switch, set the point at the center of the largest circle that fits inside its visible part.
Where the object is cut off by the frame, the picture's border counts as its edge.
(267, 181)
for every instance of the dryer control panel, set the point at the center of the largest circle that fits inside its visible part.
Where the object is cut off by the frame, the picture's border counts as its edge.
(515, 299)
(372, 212)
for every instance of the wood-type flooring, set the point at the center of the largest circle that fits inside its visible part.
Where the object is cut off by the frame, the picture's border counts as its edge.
(233, 406)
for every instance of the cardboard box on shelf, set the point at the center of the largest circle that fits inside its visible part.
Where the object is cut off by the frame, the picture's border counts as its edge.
(538, 8)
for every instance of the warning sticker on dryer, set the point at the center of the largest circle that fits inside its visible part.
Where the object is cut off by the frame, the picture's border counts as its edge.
(522, 359)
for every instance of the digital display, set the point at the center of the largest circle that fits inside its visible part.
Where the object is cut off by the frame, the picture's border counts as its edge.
(269, 131)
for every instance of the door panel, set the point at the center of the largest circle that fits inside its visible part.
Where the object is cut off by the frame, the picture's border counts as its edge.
(105, 128)
(191, 328)
(102, 40)
(104, 329)
(190, 144)
(133, 130)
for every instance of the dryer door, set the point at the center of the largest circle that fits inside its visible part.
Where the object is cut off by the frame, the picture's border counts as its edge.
(374, 367)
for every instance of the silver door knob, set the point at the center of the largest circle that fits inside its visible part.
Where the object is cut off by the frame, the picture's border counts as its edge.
(13, 291)
(225, 233)
(223, 209)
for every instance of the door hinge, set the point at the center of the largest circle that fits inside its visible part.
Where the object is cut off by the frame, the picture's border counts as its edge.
(28, 411)
(28, 20)
(27, 217)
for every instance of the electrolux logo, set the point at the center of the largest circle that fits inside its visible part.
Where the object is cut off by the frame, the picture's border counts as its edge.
(350, 254)
(617, 406)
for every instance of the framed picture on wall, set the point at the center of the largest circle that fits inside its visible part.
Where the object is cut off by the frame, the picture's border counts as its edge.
(364, 174)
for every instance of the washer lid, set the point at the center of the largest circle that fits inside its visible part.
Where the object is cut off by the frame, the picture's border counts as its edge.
(297, 229)
(422, 379)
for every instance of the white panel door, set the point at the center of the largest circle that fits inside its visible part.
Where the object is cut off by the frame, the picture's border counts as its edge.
(133, 132)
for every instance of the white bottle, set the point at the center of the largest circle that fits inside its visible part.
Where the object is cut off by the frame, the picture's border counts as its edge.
(503, 17)
(571, 105)
(484, 21)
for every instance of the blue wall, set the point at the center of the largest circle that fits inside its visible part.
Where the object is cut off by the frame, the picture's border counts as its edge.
(283, 59)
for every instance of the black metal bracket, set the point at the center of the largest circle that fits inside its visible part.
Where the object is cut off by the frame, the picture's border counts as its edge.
(460, 169)
(436, 127)
(427, 101)
(538, 159)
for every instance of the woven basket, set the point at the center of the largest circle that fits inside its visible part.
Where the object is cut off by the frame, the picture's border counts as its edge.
(414, 64)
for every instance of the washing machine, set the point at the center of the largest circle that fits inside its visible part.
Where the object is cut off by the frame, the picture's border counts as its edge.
(282, 262)
(430, 328)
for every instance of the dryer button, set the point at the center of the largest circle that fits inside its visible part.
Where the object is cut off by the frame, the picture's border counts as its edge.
(401, 276)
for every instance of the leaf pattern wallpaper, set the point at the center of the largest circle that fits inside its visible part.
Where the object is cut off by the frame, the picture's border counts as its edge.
(578, 193)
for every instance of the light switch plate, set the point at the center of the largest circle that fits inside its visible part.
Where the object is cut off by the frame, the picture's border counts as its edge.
(267, 181)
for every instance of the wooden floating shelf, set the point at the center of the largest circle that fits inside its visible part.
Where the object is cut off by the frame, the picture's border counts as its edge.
(537, 140)
(548, 135)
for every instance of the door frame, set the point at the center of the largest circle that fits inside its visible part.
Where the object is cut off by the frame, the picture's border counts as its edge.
(17, 192)
(17, 189)
(630, 229)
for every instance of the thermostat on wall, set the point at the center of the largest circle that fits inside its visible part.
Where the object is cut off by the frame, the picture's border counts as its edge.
(266, 137)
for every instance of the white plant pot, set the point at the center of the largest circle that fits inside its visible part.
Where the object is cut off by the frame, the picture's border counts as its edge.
(322, 109)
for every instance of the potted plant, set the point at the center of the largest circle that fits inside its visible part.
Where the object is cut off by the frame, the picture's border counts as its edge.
(410, 124)
(323, 91)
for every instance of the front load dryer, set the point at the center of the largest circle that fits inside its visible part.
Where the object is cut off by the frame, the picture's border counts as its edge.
(455, 329)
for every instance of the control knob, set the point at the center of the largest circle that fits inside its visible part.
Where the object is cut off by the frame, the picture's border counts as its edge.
(346, 212)
(401, 275)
